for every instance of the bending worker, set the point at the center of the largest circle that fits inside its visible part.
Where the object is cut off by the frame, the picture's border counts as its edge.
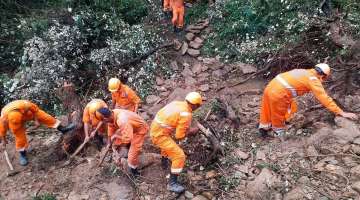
(278, 102)
(178, 11)
(126, 128)
(122, 96)
(176, 116)
(93, 125)
(14, 117)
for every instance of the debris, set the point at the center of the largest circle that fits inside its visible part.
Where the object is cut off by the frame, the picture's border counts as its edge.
(184, 48)
(208, 195)
(199, 197)
(190, 81)
(356, 186)
(209, 61)
(177, 45)
(159, 81)
(197, 68)
(204, 88)
(189, 195)
(198, 40)
(210, 174)
(193, 52)
(189, 36)
(262, 184)
(260, 155)
(240, 154)
(174, 66)
(246, 68)
(151, 99)
(195, 45)
(186, 72)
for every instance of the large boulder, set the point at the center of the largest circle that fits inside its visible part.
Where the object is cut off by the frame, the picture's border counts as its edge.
(262, 185)
(348, 130)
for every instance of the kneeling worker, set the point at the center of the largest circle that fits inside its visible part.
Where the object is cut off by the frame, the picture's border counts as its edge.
(126, 128)
(278, 102)
(93, 125)
(14, 117)
(176, 116)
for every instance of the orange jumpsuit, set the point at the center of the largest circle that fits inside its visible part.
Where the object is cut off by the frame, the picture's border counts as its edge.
(175, 116)
(178, 10)
(89, 115)
(16, 114)
(167, 6)
(125, 98)
(278, 100)
(133, 130)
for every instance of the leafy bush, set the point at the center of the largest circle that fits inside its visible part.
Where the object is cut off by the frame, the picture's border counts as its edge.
(133, 10)
(46, 196)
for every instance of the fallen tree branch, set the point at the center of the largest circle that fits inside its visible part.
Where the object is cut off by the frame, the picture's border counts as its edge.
(217, 149)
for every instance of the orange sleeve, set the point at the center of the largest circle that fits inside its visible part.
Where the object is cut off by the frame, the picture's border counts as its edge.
(183, 124)
(133, 96)
(126, 131)
(113, 98)
(86, 115)
(317, 88)
(33, 108)
(111, 130)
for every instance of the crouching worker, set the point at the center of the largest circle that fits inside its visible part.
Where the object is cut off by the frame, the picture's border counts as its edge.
(14, 117)
(127, 131)
(174, 117)
(93, 124)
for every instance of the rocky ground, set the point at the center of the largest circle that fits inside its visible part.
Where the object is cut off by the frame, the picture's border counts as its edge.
(318, 160)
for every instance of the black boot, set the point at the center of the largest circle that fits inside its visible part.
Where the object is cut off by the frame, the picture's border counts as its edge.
(134, 172)
(65, 129)
(175, 29)
(23, 159)
(174, 186)
(164, 163)
(263, 133)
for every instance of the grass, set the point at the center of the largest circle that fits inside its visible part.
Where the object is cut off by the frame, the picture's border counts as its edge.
(45, 196)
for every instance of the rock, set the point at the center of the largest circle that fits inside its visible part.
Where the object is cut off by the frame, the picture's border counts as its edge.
(246, 68)
(190, 81)
(204, 88)
(204, 68)
(217, 73)
(349, 161)
(187, 72)
(159, 81)
(194, 31)
(178, 94)
(262, 184)
(335, 169)
(240, 154)
(210, 174)
(355, 172)
(199, 197)
(165, 94)
(348, 131)
(151, 99)
(355, 149)
(357, 141)
(260, 155)
(199, 40)
(295, 194)
(193, 52)
(189, 195)
(177, 45)
(185, 64)
(174, 66)
(189, 36)
(195, 45)
(304, 180)
(75, 196)
(240, 175)
(209, 61)
(356, 186)
(194, 27)
(196, 178)
(208, 195)
(202, 77)
(242, 168)
(197, 68)
(184, 48)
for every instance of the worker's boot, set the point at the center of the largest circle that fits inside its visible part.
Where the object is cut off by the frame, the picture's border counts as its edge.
(23, 159)
(175, 29)
(134, 171)
(263, 133)
(65, 129)
(164, 163)
(174, 186)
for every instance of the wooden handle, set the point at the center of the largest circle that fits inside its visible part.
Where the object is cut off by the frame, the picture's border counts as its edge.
(8, 160)
(79, 149)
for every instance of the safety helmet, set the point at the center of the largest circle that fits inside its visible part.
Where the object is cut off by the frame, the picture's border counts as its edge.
(114, 84)
(194, 98)
(323, 69)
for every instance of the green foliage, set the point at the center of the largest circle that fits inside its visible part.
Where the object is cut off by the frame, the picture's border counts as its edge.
(46, 196)
(198, 11)
(133, 10)
(274, 167)
(229, 182)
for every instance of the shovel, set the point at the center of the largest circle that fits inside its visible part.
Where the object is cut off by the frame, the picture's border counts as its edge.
(12, 172)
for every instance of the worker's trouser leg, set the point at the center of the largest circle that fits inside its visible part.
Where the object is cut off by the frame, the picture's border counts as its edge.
(136, 147)
(167, 5)
(265, 112)
(178, 17)
(17, 127)
(278, 111)
(291, 111)
(46, 119)
(172, 151)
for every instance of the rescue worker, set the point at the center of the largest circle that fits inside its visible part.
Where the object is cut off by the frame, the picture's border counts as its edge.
(14, 117)
(167, 7)
(123, 97)
(174, 117)
(127, 130)
(93, 125)
(278, 104)
(178, 11)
